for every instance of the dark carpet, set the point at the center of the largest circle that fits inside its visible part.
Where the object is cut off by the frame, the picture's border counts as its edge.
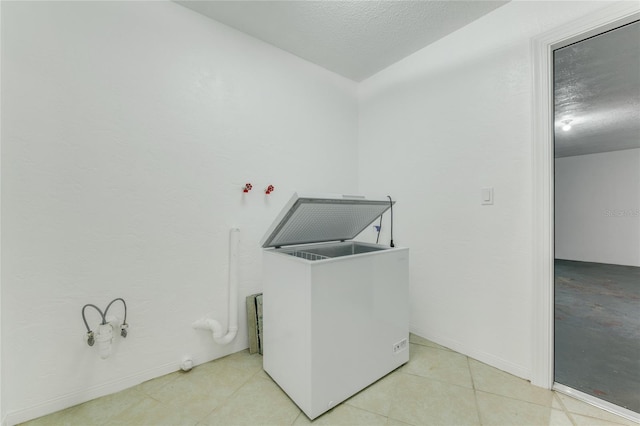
(597, 330)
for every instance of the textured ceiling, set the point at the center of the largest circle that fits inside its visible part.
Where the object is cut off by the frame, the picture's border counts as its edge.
(597, 87)
(597, 81)
(355, 39)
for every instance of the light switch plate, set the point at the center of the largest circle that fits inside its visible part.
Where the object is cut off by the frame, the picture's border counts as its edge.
(487, 196)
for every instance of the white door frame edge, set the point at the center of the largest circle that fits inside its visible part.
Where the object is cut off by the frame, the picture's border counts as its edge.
(542, 48)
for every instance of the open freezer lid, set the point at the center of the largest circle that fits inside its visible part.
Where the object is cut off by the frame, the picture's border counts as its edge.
(326, 217)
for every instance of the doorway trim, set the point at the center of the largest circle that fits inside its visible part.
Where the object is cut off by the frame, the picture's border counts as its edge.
(542, 48)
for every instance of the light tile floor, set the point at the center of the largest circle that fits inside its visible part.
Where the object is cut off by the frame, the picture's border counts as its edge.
(437, 387)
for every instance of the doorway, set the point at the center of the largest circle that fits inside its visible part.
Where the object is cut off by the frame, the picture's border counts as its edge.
(543, 47)
(597, 216)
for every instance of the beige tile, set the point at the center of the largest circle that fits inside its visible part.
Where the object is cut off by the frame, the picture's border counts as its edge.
(240, 360)
(203, 387)
(377, 397)
(199, 394)
(414, 338)
(582, 408)
(445, 366)
(153, 413)
(263, 374)
(193, 395)
(99, 411)
(422, 401)
(344, 415)
(491, 380)
(591, 421)
(499, 410)
(258, 402)
(235, 390)
(559, 418)
(394, 422)
(301, 419)
(555, 402)
(60, 418)
(158, 382)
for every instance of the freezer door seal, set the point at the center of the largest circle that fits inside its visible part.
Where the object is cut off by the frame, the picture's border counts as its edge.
(320, 218)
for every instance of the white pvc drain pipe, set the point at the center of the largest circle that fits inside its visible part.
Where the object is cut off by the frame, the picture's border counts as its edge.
(212, 325)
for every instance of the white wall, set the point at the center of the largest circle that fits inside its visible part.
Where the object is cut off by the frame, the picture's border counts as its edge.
(434, 129)
(598, 208)
(2, 420)
(128, 129)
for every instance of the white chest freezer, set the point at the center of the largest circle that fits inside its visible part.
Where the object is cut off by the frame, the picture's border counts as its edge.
(335, 312)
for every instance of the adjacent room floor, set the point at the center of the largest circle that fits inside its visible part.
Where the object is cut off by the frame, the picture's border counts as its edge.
(437, 387)
(597, 330)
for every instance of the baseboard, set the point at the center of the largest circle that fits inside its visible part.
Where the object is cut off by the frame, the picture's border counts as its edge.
(487, 358)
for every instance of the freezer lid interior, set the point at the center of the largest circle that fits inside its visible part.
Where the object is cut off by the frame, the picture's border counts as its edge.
(319, 218)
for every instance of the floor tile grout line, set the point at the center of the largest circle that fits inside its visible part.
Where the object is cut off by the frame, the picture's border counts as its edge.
(139, 385)
(270, 379)
(225, 399)
(571, 413)
(194, 373)
(108, 418)
(297, 417)
(411, 423)
(505, 396)
(346, 402)
(515, 399)
(442, 348)
(475, 393)
(437, 380)
(473, 382)
(564, 408)
(360, 408)
(228, 397)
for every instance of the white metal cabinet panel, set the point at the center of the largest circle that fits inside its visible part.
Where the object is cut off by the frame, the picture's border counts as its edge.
(330, 325)
(286, 319)
(359, 309)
